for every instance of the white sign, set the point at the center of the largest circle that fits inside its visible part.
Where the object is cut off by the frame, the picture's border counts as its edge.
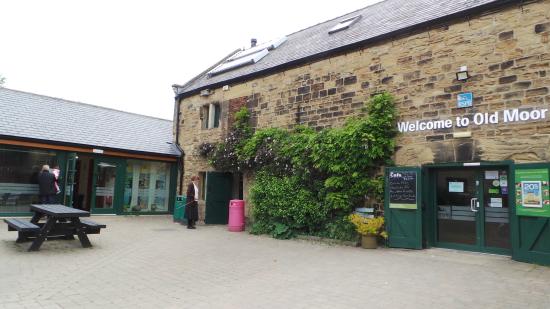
(456, 186)
(491, 174)
(496, 202)
(478, 119)
(97, 150)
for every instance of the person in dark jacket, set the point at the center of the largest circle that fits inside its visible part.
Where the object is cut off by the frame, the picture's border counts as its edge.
(192, 207)
(46, 186)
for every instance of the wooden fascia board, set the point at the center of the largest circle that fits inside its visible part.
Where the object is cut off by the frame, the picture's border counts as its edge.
(86, 150)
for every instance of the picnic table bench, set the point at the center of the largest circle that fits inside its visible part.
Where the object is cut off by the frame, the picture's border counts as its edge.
(62, 222)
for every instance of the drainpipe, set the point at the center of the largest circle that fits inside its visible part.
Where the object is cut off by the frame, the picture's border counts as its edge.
(181, 161)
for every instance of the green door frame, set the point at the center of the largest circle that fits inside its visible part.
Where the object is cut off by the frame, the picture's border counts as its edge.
(67, 178)
(431, 213)
(118, 195)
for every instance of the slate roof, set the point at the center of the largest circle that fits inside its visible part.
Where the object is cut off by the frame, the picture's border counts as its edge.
(378, 20)
(32, 116)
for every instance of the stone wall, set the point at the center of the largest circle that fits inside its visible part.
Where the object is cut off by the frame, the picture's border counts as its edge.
(507, 53)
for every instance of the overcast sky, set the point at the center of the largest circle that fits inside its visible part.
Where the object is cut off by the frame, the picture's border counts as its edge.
(127, 54)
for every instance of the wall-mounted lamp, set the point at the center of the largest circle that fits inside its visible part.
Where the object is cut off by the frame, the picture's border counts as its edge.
(462, 73)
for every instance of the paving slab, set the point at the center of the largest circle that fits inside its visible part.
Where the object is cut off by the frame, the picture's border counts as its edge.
(152, 262)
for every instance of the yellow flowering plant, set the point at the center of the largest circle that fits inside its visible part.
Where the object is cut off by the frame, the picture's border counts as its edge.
(368, 226)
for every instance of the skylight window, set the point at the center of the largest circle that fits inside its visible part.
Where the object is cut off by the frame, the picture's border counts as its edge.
(246, 60)
(268, 45)
(247, 56)
(344, 24)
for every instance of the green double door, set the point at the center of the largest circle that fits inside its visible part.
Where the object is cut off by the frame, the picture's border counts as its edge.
(471, 209)
(106, 187)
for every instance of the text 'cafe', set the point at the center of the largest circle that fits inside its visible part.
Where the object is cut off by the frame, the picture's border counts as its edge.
(476, 180)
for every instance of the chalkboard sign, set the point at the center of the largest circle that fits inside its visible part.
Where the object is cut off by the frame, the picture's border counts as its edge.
(402, 189)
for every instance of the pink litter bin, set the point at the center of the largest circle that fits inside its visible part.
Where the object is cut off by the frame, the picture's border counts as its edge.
(236, 216)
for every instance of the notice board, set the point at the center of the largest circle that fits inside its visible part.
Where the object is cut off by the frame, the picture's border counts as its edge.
(402, 189)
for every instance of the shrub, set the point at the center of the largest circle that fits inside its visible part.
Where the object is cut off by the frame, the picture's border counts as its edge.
(368, 226)
(282, 206)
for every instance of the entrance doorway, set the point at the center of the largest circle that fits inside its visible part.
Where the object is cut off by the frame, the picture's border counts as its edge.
(96, 184)
(472, 210)
(82, 190)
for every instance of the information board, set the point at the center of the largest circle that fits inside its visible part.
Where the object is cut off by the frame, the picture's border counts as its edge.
(532, 196)
(402, 189)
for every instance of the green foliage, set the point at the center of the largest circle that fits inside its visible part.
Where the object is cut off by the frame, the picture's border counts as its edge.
(282, 205)
(308, 181)
(225, 156)
(241, 119)
(339, 228)
(368, 226)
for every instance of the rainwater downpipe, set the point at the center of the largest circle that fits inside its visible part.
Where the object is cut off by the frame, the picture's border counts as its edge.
(181, 158)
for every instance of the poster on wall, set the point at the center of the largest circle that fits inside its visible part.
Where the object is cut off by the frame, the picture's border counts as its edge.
(402, 189)
(532, 196)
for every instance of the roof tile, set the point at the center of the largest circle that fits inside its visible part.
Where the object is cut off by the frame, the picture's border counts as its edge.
(34, 116)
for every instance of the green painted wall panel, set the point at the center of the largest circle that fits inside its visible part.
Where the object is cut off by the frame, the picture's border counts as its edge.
(531, 238)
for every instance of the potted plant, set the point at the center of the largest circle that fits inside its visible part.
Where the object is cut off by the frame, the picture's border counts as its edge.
(369, 229)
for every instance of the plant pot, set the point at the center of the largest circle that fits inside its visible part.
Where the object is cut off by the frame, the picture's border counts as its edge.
(368, 242)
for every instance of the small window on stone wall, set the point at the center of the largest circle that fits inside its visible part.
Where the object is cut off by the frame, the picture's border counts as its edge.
(210, 116)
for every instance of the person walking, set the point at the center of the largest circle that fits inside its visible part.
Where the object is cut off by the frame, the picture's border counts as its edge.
(46, 185)
(192, 206)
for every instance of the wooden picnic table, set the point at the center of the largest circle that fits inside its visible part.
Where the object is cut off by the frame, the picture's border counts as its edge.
(61, 222)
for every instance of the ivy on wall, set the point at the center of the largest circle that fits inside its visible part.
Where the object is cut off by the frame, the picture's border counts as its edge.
(307, 181)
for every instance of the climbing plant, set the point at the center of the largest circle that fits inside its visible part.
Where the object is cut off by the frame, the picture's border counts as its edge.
(308, 181)
(225, 156)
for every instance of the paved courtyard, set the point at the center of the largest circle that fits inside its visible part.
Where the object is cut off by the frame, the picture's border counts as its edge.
(151, 262)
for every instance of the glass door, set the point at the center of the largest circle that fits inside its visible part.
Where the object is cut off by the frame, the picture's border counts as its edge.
(495, 212)
(107, 175)
(472, 209)
(457, 191)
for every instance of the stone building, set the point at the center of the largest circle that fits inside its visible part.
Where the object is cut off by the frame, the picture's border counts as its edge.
(471, 81)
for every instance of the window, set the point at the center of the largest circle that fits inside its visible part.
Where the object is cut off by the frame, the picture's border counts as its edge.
(265, 46)
(210, 116)
(147, 186)
(344, 24)
(19, 171)
(247, 56)
(233, 64)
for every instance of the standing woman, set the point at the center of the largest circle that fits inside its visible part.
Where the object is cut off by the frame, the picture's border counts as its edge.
(46, 185)
(192, 207)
